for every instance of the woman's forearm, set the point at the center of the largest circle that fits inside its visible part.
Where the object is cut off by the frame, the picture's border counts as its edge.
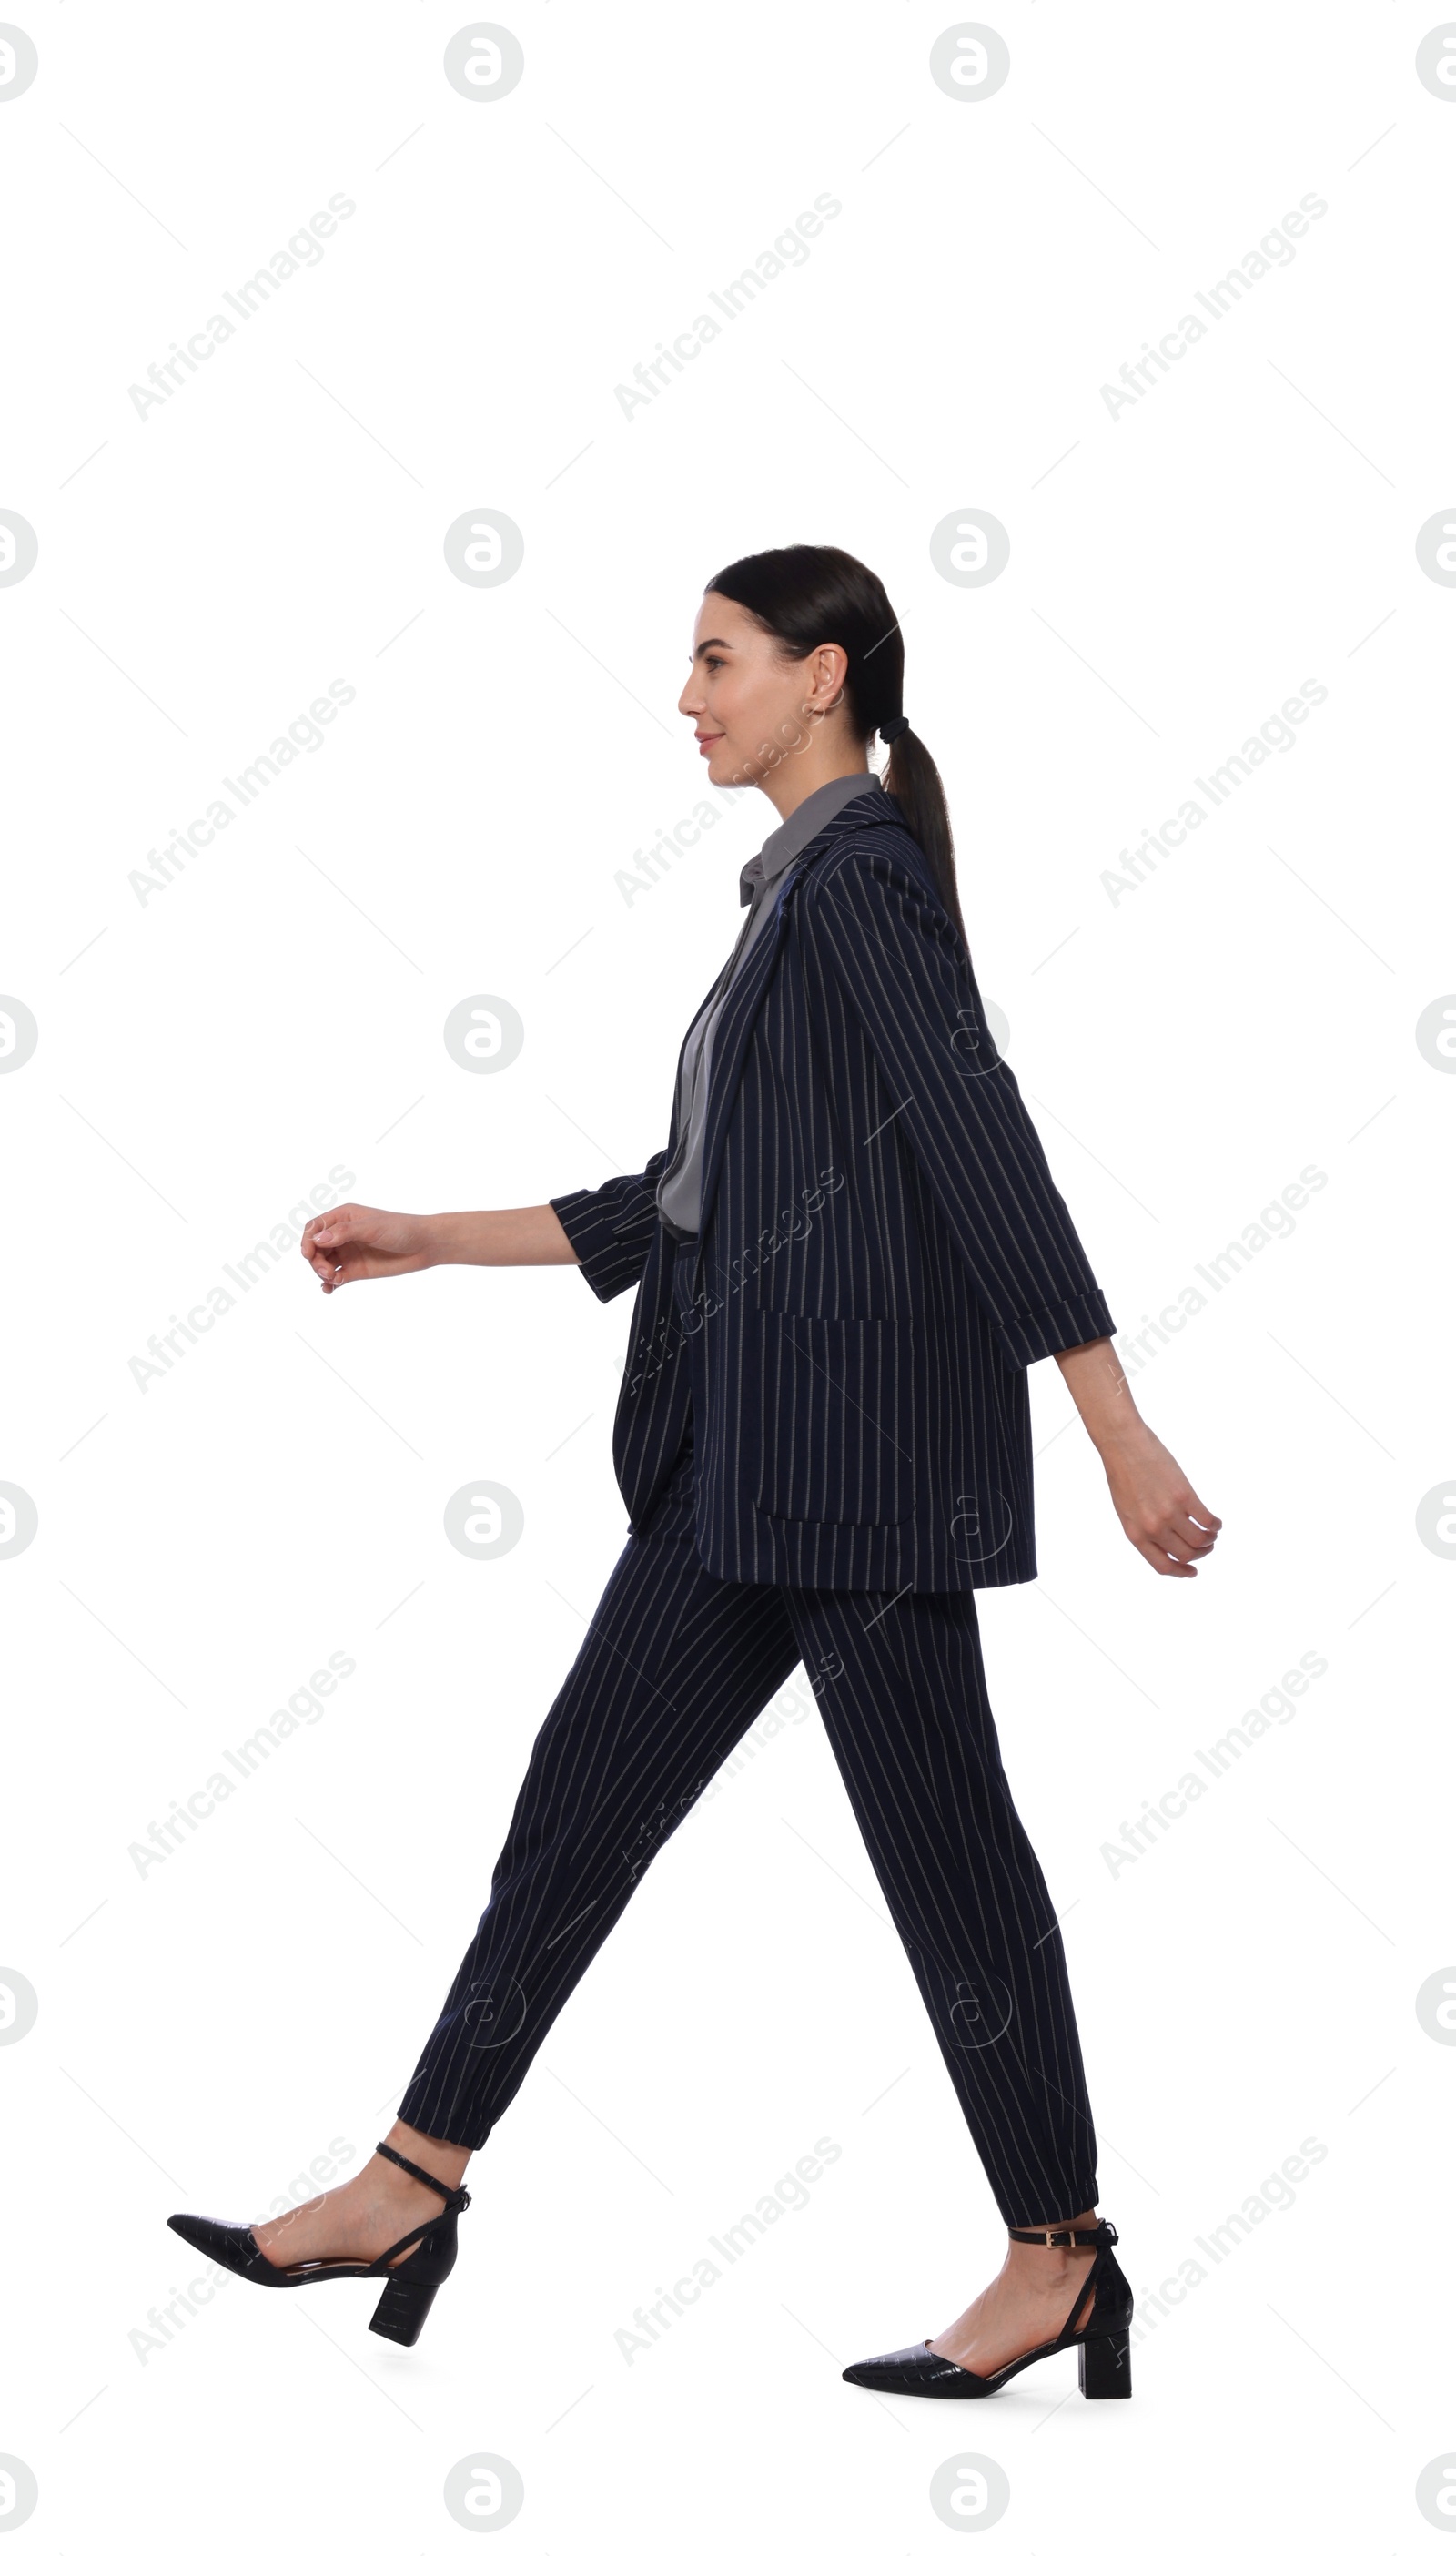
(498, 1237)
(1101, 1391)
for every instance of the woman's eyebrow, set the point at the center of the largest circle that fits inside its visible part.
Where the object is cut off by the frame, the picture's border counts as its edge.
(705, 644)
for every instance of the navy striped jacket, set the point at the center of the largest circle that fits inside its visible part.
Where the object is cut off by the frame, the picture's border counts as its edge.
(881, 1253)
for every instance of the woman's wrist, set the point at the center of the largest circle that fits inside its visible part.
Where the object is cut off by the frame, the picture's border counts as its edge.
(436, 1242)
(493, 1237)
(1099, 1387)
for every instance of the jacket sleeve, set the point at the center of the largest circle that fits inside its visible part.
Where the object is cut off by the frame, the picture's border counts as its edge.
(611, 1229)
(892, 954)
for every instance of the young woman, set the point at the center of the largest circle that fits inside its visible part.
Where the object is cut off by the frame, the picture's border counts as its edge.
(846, 1257)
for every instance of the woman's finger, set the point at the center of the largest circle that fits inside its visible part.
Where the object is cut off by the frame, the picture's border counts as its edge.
(1163, 1535)
(1151, 1551)
(1170, 1539)
(335, 1225)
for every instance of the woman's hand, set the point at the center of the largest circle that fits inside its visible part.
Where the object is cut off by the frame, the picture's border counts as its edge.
(1161, 1511)
(365, 1243)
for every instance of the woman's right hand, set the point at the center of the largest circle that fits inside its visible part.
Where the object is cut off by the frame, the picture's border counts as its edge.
(352, 1242)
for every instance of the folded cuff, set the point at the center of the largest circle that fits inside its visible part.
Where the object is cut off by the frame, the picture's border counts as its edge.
(611, 1247)
(1052, 1328)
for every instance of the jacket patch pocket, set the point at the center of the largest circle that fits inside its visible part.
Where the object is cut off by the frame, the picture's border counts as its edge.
(837, 1412)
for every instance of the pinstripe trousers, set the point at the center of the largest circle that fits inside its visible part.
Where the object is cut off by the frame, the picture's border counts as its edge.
(674, 1668)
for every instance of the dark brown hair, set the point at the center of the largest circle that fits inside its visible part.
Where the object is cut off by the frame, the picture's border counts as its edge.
(810, 593)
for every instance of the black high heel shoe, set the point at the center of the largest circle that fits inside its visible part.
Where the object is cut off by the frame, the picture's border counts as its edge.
(1104, 2366)
(408, 2288)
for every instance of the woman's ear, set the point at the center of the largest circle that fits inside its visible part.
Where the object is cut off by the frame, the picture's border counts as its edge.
(830, 665)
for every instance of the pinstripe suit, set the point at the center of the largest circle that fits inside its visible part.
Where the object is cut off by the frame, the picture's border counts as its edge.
(824, 1399)
(881, 1253)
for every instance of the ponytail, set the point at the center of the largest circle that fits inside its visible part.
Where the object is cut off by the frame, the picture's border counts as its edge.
(916, 786)
(807, 594)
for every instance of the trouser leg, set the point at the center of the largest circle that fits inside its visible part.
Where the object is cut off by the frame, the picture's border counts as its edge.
(901, 1689)
(674, 1667)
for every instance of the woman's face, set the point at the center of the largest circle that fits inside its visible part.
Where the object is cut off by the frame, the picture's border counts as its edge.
(751, 706)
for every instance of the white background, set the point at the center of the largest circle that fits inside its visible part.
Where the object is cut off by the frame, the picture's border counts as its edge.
(206, 1056)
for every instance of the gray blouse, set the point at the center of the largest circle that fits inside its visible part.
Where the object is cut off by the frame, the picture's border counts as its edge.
(761, 881)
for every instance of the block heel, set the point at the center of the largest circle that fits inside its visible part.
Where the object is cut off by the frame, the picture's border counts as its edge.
(402, 2310)
(1105, 2364)
(408, 2288)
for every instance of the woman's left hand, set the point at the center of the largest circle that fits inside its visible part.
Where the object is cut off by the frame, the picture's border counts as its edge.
(1160, 1512)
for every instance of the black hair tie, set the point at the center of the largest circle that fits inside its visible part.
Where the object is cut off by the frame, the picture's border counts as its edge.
(890, 729)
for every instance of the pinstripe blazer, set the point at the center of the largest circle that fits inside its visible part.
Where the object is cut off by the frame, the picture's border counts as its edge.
(881, 1253)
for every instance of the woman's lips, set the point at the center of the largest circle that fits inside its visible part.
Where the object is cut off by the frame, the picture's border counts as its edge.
(706, 742)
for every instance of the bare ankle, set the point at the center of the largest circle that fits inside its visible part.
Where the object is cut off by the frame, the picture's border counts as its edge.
(439, 2157)
(1055, 2226)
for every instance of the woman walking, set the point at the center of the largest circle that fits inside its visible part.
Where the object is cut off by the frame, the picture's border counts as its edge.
(846, 1257)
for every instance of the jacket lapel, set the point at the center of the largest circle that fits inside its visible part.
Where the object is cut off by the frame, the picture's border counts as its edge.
(741, 1009)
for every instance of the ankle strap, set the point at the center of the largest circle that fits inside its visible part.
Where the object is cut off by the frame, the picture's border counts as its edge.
(1104, 2233)
(459, 2198)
